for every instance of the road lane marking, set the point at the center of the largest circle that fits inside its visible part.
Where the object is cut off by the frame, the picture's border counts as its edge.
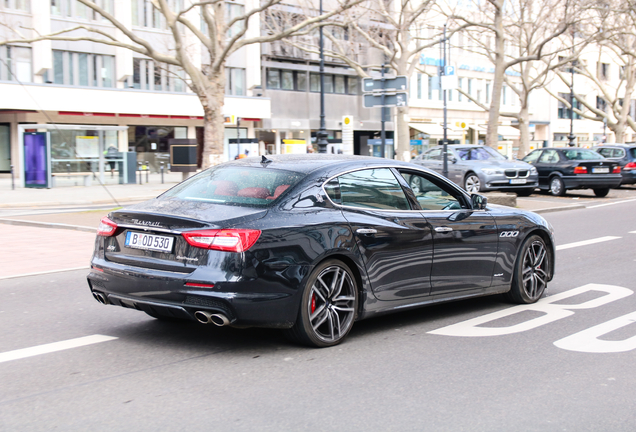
(632, 232)
(44, 272)
(53, 347)
(612, 203)
(586, 242)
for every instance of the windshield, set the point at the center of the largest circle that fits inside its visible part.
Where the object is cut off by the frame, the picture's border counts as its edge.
(478, 153)
(244, 186)
(581, 154)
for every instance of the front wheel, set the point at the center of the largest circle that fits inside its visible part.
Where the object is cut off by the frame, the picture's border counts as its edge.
(532, 271)
(601, 192)
(472, 183)
(328, 306)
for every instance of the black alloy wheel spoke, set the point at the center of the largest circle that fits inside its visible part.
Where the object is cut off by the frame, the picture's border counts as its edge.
(332, 300)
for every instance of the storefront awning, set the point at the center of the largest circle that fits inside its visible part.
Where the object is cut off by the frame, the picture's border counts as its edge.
(435, 130)
(508, 132)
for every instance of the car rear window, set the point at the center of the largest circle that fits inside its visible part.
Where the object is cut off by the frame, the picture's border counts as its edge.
(580, 154)
(243, 186)
(632, 152)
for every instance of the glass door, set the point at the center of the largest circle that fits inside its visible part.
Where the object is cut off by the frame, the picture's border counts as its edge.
(5, 149)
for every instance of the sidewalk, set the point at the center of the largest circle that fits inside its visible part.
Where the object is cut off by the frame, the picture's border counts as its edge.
(70, 195)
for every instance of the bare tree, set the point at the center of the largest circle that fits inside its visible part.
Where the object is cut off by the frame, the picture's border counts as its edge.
(220, 37)
(518, 35)
(397, 32)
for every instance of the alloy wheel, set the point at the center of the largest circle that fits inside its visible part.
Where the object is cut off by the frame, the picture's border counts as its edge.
(472, 184)
(331, 306)
(534, 270)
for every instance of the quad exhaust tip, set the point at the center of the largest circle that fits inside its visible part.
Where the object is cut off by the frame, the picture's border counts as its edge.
(209, 318)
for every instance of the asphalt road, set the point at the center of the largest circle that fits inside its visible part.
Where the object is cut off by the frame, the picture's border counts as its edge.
(566, 364)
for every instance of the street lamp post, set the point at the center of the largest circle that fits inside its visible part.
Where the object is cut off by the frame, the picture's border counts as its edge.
(321, 135)
(571, 137)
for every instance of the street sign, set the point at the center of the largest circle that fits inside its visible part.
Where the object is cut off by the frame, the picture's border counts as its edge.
(393, 83)
(450, 70)
(390, 100)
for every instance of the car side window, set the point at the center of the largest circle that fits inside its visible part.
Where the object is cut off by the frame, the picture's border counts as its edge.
(431, 194)
(435, 154)
(606, 152)
(371, 188)
(549, 156)
(618, 153)
(532, 157)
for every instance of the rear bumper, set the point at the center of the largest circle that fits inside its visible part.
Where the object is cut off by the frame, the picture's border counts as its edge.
(591, 181)
(259, 303)
(629, 177)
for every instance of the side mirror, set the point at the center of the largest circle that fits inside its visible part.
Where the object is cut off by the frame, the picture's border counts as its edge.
(479, 202)
(454, 160)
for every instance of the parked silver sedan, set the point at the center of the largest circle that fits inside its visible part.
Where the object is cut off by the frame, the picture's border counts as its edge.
(479, 168)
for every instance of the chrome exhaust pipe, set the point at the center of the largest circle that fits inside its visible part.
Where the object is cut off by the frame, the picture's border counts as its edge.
(219, 320)
(208, 318)
(203, 317)
(100, 298)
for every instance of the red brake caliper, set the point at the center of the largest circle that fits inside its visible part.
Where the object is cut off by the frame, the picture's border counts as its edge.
(313, 302)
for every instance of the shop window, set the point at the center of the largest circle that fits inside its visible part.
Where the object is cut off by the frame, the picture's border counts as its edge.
(301, 81)
(273, 78)
(21, 5)
(314, 82)
(339, 84)
(328, 83)
(352, 85)
(287, 80)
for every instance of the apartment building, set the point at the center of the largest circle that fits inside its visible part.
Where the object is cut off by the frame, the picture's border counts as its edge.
(87, 97)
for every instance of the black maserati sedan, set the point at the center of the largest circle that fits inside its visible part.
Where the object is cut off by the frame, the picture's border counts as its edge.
(312, 243)
(561, 169)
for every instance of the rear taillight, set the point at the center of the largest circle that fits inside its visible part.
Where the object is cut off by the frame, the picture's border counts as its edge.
(580, 170)
(228, 240)
(617, 169)
(630, 166)
(106, 227)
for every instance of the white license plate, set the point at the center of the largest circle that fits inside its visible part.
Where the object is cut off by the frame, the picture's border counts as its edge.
(149, 242)
(600, 170)
(518, 181)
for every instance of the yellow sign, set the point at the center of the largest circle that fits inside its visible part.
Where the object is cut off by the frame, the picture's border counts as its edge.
(461, 125)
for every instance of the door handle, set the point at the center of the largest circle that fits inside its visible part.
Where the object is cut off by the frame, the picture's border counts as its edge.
(443, 229)
(366, 231)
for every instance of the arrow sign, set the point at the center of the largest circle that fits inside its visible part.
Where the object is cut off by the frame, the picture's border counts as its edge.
(393, 83)
(390, 100)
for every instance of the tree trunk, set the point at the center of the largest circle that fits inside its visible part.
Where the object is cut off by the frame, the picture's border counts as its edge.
(524, 128)
(630, 81)
(403, 148)
(212, 97)
(500, 59)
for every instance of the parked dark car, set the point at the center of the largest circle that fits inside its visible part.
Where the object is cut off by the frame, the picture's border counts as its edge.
(479, 168)
(562, 169)
(312, 243)
(625, 155)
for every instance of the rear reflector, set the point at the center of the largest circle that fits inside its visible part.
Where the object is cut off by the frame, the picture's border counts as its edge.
(580, 170)
(617, 169)
(199, 285)
(228, 240)
(106, 227)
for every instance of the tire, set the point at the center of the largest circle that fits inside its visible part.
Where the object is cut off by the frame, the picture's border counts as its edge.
(601, 192)
(328, 306)
(472, 184)
(557, 188)
(524, 192)
(532, 270)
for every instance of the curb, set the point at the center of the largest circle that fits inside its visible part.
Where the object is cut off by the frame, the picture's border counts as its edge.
(557, 209)
(48, 225)
(129, 200)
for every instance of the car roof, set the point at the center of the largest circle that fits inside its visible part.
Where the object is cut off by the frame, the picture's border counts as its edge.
(616, 145)
(307, 163)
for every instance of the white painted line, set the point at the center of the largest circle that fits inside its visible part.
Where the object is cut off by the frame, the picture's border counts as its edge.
(53, 347)
(632, 232)
(586, 242)
(44, 272)
(612, 203)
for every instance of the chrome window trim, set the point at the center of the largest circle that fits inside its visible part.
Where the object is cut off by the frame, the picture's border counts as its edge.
(434, 174)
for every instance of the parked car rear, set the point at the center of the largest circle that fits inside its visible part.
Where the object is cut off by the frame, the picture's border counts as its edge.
(625, 155)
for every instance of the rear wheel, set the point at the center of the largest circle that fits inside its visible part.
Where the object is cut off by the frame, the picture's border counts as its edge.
(328, 306)
(557, 188)
(525, 192)
(532, 271)
(472, 183)
(601, 192)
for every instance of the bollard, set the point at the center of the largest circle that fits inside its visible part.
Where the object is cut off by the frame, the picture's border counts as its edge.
(13, 179)
(139, 169)
(68, 170)
(147, 170)
(161, 172)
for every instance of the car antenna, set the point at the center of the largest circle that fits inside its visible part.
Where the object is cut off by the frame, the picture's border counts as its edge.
(265, 161)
